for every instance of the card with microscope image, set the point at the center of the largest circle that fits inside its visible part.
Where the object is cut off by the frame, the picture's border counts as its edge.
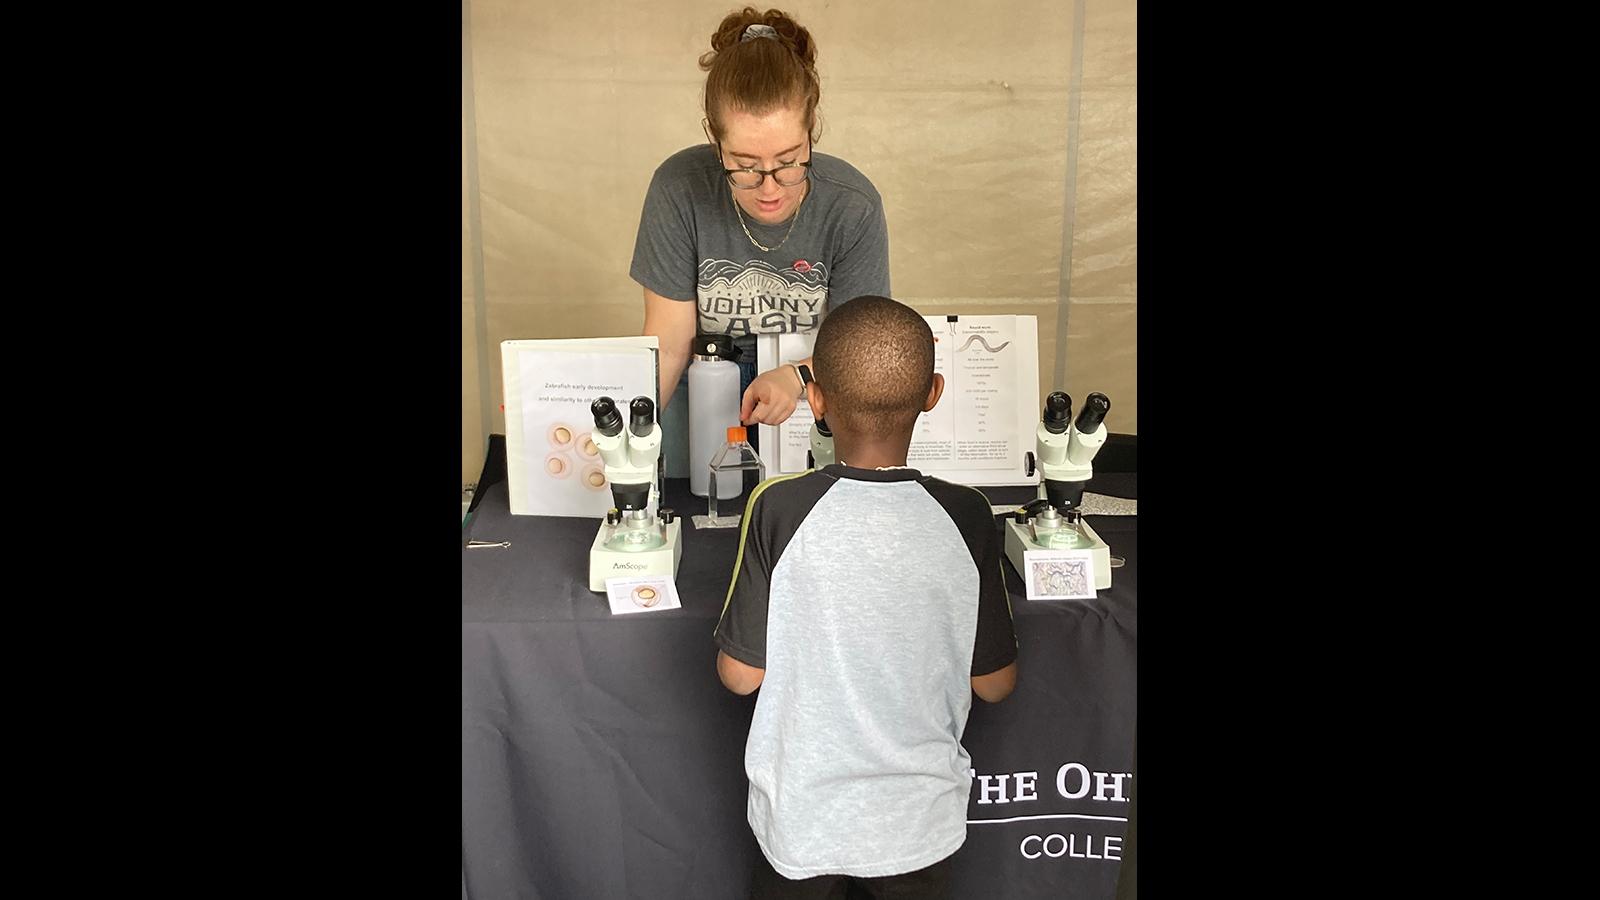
(1059, 574)
(643, 593)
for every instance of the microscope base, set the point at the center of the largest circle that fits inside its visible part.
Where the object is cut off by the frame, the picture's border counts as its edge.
(606, 563)
(1018, 542)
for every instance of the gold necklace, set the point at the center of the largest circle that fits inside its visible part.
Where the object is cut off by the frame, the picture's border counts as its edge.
(792, 222)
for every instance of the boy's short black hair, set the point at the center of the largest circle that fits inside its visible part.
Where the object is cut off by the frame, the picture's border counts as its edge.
(874, 362)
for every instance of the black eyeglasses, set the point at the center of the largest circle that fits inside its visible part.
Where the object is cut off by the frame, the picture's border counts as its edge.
(747, 179)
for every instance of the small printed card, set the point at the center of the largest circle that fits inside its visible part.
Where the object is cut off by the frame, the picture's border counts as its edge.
(1059, 574)
(641, 593)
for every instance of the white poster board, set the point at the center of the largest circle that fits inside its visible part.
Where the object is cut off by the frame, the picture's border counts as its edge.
(552, 468)
(982, 425)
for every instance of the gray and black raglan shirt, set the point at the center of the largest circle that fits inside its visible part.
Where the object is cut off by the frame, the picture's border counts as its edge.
(870, 598)
(690, 247)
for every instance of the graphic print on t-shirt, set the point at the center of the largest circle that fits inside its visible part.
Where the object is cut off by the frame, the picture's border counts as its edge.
(755, 298)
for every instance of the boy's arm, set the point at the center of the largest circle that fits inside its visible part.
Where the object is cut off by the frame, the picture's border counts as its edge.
(738, 677)
(994, 651)
(995, 686)
(741, 632)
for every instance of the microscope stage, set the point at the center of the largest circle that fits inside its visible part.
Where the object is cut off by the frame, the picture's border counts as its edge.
(1018, 542)
(607, 563)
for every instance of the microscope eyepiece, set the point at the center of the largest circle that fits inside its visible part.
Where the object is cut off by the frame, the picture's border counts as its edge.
(1095, 407)
(607, 420)
(1057, 412)
(642, 415)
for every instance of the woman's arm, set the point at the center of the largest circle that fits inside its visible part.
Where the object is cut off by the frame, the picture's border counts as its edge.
(772, 397)
(674, 323)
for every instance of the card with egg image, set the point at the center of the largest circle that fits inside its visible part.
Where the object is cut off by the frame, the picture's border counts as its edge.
(641, 593)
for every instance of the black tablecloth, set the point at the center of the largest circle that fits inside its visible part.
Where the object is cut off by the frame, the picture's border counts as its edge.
(602, 758)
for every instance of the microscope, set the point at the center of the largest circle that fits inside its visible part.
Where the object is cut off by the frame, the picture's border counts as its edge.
(1065, 451)
(821, 452)
(633, 540)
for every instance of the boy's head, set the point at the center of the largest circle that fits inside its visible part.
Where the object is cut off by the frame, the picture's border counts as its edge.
(874, 369)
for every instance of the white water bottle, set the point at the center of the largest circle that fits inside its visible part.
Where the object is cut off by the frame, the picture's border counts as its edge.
(713, 409)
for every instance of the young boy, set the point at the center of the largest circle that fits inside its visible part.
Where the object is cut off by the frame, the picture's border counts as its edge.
(869, 606)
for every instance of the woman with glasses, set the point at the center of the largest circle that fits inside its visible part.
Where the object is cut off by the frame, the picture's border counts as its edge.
(756, 233)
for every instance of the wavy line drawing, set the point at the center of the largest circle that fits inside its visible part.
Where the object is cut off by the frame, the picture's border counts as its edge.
(979, 339)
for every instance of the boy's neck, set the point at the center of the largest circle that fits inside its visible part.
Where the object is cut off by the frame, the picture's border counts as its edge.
(870, 454)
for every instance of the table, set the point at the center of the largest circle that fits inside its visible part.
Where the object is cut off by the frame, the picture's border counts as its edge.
(602, 758)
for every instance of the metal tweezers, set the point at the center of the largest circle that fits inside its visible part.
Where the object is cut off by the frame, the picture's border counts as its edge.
(476, 545)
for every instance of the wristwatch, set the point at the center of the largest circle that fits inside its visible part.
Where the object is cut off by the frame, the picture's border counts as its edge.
(804, 371)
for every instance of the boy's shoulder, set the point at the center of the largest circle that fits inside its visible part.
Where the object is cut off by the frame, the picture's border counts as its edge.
(782, 487)
(796, 494)
(962, 501)
(788, 496)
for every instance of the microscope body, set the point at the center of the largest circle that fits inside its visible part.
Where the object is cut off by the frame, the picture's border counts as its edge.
(1065, 463)
(636, 538)
(1065, 456)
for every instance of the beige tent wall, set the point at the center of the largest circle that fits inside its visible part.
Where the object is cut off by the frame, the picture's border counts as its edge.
(1002, 138)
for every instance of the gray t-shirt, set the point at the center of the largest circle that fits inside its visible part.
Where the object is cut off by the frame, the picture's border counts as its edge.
(870, 598)
(690, 247)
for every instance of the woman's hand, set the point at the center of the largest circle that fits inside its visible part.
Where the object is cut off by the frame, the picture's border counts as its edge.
(771, 398)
